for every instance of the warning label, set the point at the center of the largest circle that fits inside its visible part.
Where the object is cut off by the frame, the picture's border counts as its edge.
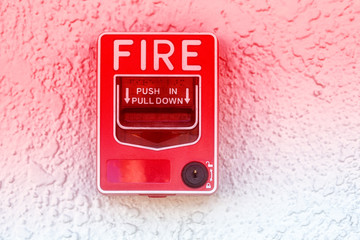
(157, 91)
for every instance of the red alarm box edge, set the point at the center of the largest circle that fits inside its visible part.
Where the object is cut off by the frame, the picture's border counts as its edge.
(157, 113)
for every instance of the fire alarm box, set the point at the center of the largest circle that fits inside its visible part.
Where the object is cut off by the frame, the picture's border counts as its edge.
(157, 113)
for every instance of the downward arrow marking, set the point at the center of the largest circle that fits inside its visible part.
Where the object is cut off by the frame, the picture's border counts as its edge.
(187, 99)
(127, 99)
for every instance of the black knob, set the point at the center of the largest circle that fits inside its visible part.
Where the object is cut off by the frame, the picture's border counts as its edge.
(194, 174)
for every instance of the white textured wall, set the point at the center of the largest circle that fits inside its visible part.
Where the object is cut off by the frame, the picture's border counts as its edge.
(289, 121)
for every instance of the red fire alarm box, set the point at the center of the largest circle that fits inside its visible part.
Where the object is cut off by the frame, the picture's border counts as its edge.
(157, 113)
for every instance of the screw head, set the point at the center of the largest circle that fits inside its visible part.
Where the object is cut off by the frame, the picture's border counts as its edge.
(194, 174)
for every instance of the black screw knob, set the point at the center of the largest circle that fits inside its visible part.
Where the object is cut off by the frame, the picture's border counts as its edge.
(194, 174)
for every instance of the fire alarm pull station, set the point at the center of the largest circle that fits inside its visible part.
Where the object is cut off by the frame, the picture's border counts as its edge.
(157, 113)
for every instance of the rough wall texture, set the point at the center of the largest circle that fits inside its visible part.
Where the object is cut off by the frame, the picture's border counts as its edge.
(289, 121)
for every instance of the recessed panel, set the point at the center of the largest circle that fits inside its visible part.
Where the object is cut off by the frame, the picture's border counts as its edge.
(157, 102)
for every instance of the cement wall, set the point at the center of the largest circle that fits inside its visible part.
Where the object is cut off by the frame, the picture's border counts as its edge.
(289, 121)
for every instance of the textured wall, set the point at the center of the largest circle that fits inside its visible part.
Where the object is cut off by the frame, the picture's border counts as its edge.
(289, 121)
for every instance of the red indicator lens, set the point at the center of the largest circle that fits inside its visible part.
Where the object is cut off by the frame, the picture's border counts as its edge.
(138, 171)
